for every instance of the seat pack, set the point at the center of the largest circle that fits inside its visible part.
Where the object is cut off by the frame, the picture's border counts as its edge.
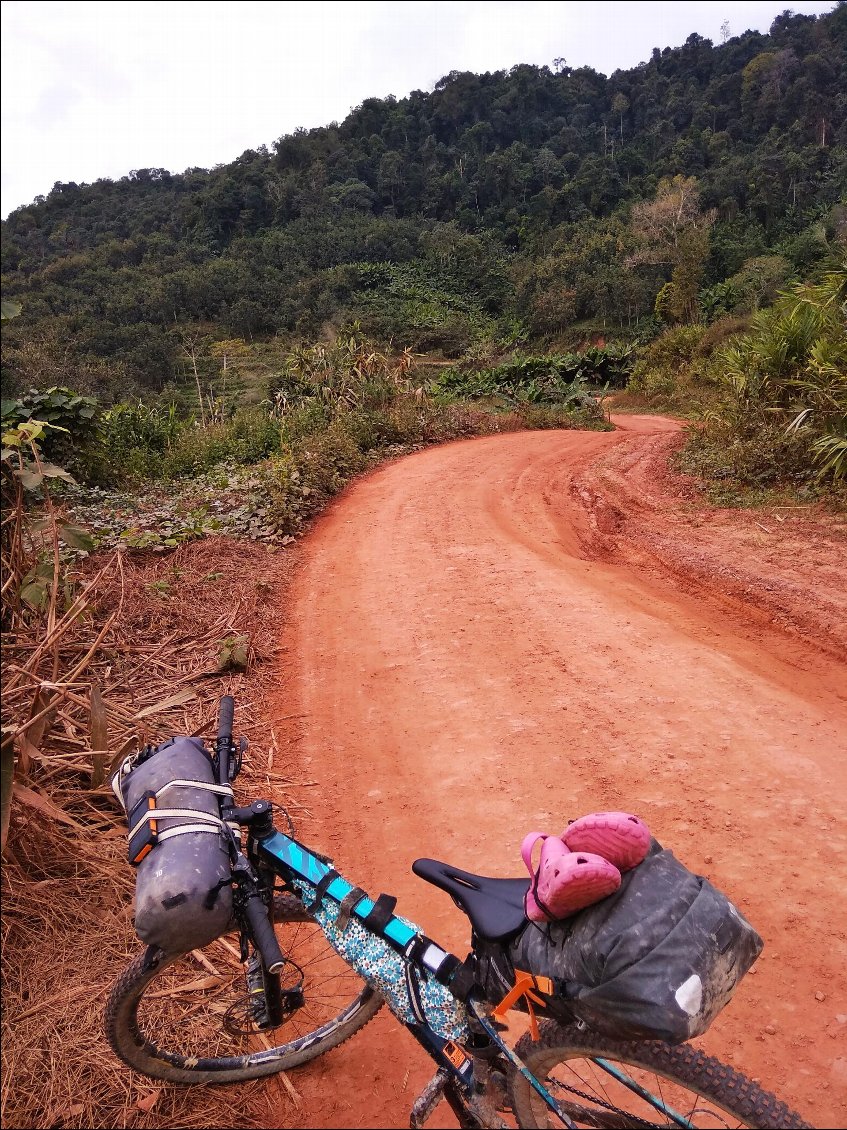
(657, 959)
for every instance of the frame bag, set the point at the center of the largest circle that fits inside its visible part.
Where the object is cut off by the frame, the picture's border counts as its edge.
(183, 893)
(658, 959)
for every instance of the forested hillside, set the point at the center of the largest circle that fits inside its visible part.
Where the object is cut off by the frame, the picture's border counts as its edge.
(540, 204)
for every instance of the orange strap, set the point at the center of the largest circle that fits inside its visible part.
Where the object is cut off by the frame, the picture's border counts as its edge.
(524, 985)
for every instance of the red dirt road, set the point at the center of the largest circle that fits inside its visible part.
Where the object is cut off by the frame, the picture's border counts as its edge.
(497, 635)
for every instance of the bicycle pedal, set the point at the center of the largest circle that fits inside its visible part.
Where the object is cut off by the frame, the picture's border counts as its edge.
(428, 1099)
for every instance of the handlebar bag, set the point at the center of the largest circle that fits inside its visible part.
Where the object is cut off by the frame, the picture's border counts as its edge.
(183, 894)
(658, 959)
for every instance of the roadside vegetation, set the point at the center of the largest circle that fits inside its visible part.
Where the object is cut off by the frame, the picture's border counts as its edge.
(124, 617)
(767, 394)
(79, 478)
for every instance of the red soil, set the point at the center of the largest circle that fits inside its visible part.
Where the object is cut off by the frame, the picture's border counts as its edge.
(500, 634)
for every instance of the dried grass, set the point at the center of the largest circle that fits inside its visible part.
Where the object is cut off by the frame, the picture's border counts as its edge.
(67, 890)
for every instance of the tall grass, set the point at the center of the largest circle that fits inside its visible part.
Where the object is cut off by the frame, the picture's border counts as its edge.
(782, 412)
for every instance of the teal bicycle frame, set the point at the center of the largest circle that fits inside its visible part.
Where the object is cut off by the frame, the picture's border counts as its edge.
(403, 964)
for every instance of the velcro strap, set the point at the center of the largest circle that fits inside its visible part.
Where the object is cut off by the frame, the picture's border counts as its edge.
(380, 916)
(220, 790)
(185, 829)
(155, 814)
(321, 889)
(347, 904)
(463, 980)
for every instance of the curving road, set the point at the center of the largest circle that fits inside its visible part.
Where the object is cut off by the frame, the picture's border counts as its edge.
(472, 656)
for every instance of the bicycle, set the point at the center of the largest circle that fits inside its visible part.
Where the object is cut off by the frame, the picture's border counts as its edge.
(311, 959)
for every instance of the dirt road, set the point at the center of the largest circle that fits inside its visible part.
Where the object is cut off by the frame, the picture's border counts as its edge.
(497, 635)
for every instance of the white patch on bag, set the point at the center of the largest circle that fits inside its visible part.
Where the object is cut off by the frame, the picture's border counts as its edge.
(689, 995)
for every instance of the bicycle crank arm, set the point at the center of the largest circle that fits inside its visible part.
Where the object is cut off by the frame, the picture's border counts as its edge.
(428, 1099)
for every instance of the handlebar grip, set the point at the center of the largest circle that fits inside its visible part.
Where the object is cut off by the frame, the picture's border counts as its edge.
(226, 713)
(263, 933)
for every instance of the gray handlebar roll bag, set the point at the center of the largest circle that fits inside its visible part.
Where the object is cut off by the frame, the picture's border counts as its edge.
(183, 896)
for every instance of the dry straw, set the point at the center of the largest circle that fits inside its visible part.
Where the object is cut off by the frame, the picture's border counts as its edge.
(135, 658)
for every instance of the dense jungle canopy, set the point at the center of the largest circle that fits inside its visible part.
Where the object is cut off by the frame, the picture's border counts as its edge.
(544, 203)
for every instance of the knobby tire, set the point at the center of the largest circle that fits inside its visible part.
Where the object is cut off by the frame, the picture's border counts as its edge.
(710, 1093)
(166, 1016)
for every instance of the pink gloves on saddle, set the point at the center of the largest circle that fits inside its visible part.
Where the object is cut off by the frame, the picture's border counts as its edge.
(584, 864)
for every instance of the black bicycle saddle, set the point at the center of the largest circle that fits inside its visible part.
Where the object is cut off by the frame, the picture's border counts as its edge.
(494, 906)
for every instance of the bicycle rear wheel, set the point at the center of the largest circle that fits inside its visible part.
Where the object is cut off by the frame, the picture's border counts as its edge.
(186, 1018)
(697, 1088)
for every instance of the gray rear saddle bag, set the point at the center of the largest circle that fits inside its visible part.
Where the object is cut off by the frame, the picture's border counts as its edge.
(658, 959)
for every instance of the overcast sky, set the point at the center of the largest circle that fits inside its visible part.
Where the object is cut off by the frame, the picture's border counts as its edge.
(96, 89)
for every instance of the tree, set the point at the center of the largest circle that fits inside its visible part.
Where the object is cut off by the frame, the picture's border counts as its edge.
(659, 224)
(190, 344)
(672, 231)
(620, 105)
(227, 351)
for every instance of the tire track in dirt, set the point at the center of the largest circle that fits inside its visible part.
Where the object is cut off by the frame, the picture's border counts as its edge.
(476, 650)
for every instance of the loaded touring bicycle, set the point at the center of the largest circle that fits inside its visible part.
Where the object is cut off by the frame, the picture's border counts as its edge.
(260, 956)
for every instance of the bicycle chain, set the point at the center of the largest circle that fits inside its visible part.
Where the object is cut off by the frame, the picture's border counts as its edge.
(631, 1119)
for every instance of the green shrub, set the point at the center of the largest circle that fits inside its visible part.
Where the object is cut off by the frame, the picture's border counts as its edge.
(304, 477)
(720, 331)
(676, 372)
(758, 452)
(253, 434)
(538, 380)
(782, 414)
(304, 420)
(666, 362)
(758, 282)
(74, 436)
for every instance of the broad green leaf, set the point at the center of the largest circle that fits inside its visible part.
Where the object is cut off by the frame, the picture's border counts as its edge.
(10, 309)
(234, 652)
(30, 480)
(52, 471)
(35, 594)
(75, 537)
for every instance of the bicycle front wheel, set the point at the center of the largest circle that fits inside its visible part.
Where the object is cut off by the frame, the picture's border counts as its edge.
(682, 1086)
(186, 1018)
